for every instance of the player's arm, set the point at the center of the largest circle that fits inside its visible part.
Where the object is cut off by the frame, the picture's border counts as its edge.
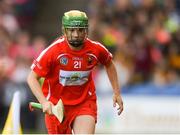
(112, 75)
(35, 87)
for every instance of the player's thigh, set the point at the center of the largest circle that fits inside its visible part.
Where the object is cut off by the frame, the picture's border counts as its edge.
(84, 124)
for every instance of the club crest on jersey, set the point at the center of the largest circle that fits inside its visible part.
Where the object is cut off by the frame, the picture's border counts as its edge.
(90, 60)
(64, 60)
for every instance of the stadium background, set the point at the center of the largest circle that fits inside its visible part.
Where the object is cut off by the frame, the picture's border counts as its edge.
(144, 37)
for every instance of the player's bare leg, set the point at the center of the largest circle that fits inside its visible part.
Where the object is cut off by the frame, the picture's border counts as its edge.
(84, 124)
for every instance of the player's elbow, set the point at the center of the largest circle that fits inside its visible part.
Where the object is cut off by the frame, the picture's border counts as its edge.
(31, 76)
(109, 64)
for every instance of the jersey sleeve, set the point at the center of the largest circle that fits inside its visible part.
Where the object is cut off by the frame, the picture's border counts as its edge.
(104, 55)
(42, 64)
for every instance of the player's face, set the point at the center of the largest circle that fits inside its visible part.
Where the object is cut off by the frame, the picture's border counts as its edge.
(76, 36)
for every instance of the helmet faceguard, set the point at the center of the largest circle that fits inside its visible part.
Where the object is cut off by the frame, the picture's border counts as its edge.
(75, 19)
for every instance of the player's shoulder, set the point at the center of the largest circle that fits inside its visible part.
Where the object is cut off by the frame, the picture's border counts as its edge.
(57, 41)
(96, 44)
(92, 42)
(56, 44)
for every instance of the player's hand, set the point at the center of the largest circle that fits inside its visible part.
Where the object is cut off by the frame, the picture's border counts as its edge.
(47, 107)
(117, 99)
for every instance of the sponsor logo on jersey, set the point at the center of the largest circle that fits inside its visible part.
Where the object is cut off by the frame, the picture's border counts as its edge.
(64, 60)
(70, 78)
(75, 76)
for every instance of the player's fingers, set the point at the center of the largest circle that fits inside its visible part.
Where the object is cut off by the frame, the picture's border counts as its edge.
(44, 110)
(114, 103)
(120, 110)
(47, 109)
(49, 112)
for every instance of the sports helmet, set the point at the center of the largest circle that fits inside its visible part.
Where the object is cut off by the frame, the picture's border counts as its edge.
(75, 19)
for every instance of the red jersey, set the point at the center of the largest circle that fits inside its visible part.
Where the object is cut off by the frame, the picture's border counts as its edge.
(68, 73)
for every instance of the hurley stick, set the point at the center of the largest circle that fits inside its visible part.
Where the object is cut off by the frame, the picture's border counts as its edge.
(57, 110)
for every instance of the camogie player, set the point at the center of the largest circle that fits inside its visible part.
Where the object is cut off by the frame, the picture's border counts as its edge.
(67, 66)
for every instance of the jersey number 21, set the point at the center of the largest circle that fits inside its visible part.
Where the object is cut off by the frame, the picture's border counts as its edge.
(77, 64)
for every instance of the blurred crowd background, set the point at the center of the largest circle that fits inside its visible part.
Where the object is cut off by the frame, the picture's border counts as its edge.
(142, 35)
